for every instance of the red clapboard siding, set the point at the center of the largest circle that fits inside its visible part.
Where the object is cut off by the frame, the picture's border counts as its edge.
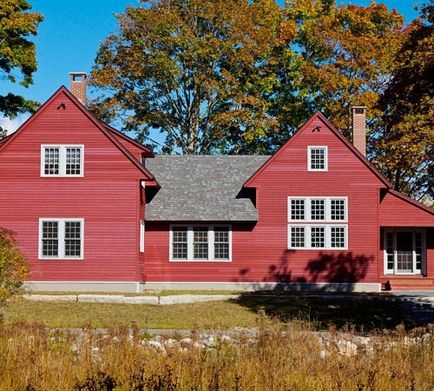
(260, 250)
(107, 197)
(398, 212)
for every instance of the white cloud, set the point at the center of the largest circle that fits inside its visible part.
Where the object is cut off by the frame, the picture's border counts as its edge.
(11, 125)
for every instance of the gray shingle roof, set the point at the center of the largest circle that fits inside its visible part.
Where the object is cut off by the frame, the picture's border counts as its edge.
(202, 187)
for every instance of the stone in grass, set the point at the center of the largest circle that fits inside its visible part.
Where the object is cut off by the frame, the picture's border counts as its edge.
(171, 343)
(186, 342)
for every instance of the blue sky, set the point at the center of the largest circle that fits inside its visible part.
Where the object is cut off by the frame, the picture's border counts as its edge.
(71, 32)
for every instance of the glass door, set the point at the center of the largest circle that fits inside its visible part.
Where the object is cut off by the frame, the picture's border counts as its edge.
(404, 251)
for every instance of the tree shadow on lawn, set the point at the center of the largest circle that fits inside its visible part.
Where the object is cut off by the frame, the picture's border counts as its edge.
(358, 311)
(342, 271)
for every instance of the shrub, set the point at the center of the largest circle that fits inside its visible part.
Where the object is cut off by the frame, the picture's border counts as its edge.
(13, 267)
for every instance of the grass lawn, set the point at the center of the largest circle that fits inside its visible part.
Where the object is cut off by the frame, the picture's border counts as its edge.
(243, 312)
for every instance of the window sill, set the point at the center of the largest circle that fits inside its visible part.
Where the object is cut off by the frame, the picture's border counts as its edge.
(319, 248)
(62, 176)
(201, 260)
(60, 259)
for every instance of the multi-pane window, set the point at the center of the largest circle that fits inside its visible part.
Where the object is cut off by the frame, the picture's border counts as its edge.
(50, 239)
(317, 237)
(51, 161)
(317, 222)
(297, 209)
(317, 158)
(179, 243)
(61, 238)
(324, 209)
(221, 242)
(317, 209)
(72, 238)
(337, 209)
(337, 237)
(73, 161)
(298, 237)
(200, 243)
(62, 160)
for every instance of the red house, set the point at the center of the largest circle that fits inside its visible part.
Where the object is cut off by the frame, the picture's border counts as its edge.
(95, 210)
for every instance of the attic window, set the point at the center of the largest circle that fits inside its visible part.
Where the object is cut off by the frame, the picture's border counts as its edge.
(62, 160)
(317, 158)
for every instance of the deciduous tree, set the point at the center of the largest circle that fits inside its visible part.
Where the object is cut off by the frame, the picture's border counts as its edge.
(196, 70)
(13, 267)
(17, 52)
(404, 146)
(340, 55)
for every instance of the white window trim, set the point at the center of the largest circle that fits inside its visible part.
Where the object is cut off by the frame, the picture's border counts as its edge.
(327, 237)
(142, 236)
(328, 210)
(61, 238)
(393, 231)
(190, 250)
(62, 160)
(326, 158)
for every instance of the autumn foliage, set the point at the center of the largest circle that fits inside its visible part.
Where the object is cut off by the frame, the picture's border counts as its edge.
(13, 267)
(240, 77)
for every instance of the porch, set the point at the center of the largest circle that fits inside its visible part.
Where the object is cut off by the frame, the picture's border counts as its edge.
(408, 258)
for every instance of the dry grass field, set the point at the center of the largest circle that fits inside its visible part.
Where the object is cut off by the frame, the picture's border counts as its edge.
(299, 343)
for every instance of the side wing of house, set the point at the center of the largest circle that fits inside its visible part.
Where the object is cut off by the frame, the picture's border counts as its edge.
(407, 243)
(71, 192)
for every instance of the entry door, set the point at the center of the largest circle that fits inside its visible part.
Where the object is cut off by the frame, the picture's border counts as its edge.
(404, 251)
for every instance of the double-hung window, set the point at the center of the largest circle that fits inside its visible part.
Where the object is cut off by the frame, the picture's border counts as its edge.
(61, 238)
(317, 158)
(318, 223)
(62, 160)
(200, 243)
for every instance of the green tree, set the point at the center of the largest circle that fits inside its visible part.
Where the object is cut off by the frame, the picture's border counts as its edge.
(13, 267)
(17, 52)
(239, 77)
(196, 70)
(340, 55)
(404, 146)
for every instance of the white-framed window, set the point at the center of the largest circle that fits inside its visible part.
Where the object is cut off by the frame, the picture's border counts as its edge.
(312, 237)
(198, 242)
(62, 160)
(318, 209)
(142, 236)
(318, 223)
(61, 238)
(317, 158)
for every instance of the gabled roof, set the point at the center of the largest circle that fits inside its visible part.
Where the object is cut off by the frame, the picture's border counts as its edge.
(4, 139)
(412, 201)
(131, 141)
(338, 134)
(101, 126)
(202, 188)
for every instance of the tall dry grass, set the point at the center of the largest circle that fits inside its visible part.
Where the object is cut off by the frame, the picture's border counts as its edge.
(34, 358)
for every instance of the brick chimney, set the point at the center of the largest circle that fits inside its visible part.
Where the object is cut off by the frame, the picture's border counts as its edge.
(78, 84)
(358, 119)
